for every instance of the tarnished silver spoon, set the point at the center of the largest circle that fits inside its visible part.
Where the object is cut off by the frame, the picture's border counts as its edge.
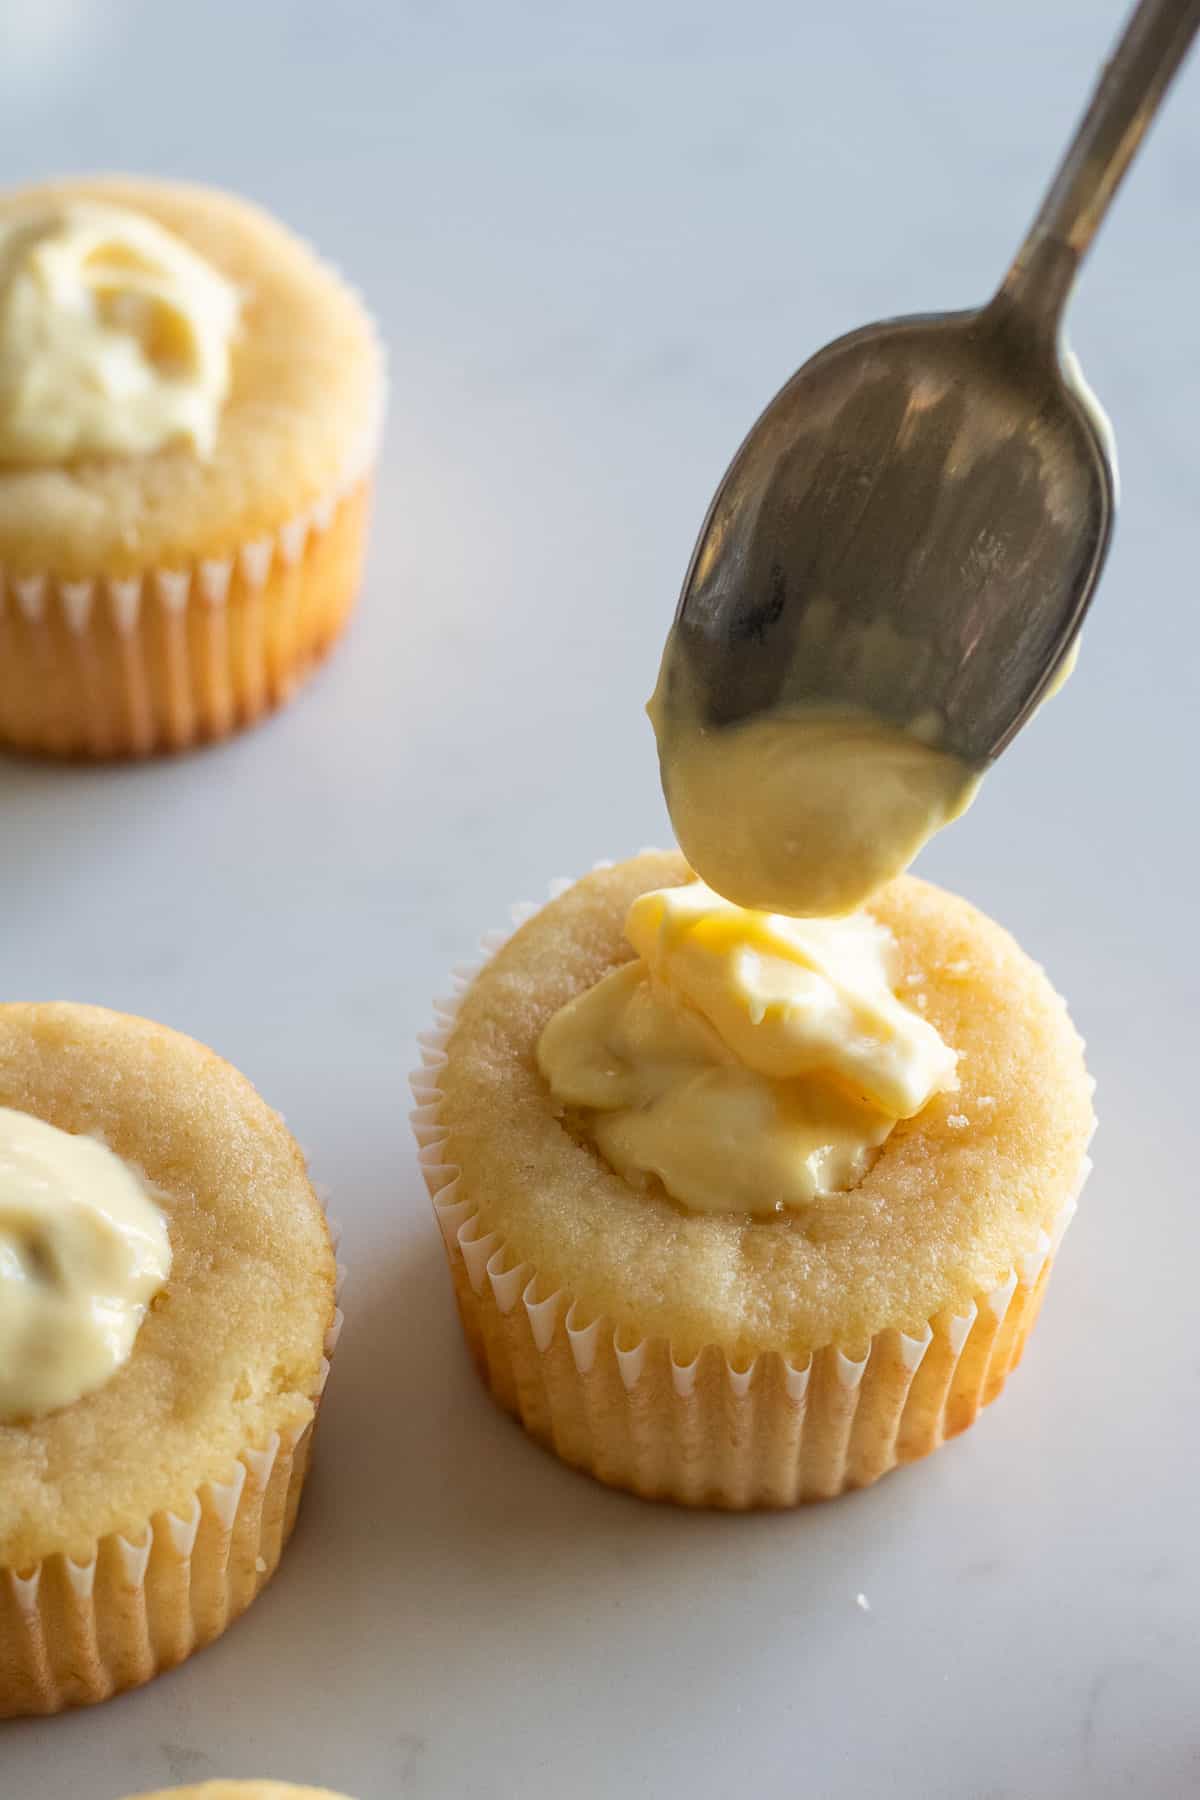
(909, 536)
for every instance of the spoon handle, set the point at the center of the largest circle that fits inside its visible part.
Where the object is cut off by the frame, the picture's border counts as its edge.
(1131, 86)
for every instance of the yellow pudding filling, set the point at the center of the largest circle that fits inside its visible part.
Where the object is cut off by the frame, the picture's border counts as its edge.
(83, 1251)
(808, 810)
(115, 336)
(749, 1061)
(803, 809)
(810, 807)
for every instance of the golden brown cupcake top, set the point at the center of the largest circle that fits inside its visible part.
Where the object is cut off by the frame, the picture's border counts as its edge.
(303, 402)
(231, 1350)
(957, 1195)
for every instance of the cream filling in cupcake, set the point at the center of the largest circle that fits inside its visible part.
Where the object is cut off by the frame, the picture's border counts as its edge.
(749, 1061)
(83, 1252)
(115, 336)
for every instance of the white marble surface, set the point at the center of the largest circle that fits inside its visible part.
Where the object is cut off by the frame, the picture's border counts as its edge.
(597, 237)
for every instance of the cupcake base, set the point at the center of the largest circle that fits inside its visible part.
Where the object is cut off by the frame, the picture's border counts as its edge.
(169, 659)
(707, 1431)
(74, 1633)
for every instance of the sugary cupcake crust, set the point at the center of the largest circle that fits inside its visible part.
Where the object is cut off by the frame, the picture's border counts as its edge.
(957, 1197)
(231, 1351)
(306, 391)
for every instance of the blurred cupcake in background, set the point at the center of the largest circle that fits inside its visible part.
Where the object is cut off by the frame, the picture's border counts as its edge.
(242, 1790)
(190, 406)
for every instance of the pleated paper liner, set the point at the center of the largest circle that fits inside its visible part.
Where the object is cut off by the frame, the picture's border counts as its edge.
(176, 657)
(73, 1633)
(710, 1432)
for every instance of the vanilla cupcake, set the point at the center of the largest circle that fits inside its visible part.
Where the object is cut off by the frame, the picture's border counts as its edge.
(754, 1215)
(189, 410)
(166, 1310)
(241, 1790)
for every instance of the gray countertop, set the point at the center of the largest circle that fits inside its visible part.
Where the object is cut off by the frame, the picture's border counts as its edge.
(596, 239)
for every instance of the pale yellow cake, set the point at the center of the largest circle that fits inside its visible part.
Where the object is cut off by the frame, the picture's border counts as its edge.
(268, 529)
(956, 1218)
(228, 1364)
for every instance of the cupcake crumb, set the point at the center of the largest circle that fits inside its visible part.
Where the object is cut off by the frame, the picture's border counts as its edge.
(862, 1603)
(260, 1565)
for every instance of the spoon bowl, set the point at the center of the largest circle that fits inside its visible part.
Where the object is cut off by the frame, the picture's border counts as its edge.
(915, 526)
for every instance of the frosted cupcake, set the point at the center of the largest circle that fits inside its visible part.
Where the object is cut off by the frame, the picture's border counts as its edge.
(166, 1311)
(189, 410)
(745, 1210)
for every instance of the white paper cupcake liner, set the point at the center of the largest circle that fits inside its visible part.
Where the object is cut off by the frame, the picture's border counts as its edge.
(76, 1632)
(705, 1430)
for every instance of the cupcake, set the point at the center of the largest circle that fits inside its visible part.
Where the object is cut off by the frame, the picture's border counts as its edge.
(242, 1790)
(167, 1306)
(744, 1210)
(189, 408)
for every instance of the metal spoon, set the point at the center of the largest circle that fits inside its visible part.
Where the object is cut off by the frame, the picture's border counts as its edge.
(916, 524)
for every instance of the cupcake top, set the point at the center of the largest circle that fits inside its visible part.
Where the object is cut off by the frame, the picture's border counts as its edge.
(956, 1195)
(241, 1790)
(231, 1348)
(251, 376)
